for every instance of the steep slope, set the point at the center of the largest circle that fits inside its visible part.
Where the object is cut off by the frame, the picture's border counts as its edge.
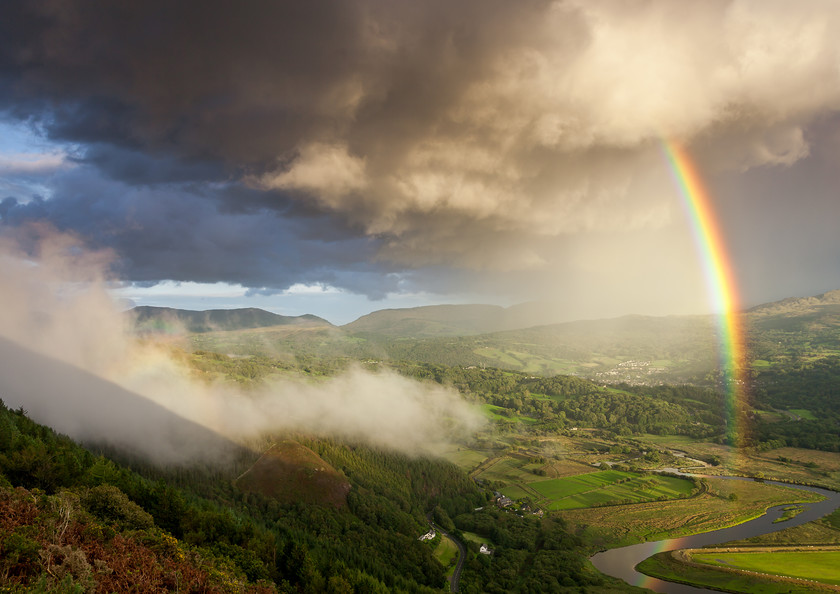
(167, 319)
(90, 409)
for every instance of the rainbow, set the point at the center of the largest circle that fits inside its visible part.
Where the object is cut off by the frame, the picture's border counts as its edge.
(720, 282)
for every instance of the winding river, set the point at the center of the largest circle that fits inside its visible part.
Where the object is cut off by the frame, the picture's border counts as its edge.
(621, 562)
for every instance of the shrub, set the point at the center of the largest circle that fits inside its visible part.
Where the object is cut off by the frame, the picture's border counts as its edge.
(111, 505)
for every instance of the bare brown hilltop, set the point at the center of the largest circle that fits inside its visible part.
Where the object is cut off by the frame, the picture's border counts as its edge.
(290, 472)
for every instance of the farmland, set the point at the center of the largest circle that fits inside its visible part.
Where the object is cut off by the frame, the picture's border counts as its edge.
(672, 566)
(822, 566)
(609, 487)
(716, 508)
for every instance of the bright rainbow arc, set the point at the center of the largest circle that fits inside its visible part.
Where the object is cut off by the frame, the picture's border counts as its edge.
(720, 282)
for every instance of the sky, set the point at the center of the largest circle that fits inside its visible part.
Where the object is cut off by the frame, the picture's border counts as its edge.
(335, 157)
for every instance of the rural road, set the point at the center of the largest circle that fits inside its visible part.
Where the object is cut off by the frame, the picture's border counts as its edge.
(462, 554)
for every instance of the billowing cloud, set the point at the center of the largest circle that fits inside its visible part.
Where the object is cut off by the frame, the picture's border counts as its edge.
(476, 135)
(69, 359)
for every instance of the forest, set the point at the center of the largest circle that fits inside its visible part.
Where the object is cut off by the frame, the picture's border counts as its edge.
(76, 520)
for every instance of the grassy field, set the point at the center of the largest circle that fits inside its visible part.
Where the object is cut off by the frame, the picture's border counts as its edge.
(804, 413)
(516, 492)
(465, 458)
(668, 440)
(821, 566)
(629, 524)
(806, 466)
(446, 552)
(477, 539)
(511, 470)
(562, 468)
(528, 362)
(610, 486)
(492, 412)
(819, 532)
(665, 566)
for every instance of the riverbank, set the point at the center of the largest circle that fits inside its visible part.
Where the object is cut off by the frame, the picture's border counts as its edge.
(622, 562)
(722, 503)
(773, 569)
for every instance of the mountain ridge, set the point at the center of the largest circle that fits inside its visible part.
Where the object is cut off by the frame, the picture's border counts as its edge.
(148, 318)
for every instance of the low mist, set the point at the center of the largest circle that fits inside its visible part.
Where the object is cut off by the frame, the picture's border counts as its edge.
(70, 360)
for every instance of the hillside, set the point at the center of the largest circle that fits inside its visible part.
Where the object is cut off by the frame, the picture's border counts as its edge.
(798, 305)
(454, 320)
(94, 410)
(290, 472)
(431, 320)
(635, 349)
(167, 319)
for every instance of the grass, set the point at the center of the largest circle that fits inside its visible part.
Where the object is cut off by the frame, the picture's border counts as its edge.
(515, 492)
(478, 539)
(789, 512)
(821, 566)
(511, 470)
(668, 440)
(824, 531)
(610, 486)
(464, 458)
(666, 567)
(446, 552)
(804, 413)
(492, 412)
(824, 470)
(528, 362)
(630, 524)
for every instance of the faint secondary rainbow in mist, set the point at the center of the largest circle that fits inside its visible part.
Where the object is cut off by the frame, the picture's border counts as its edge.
(720, 281)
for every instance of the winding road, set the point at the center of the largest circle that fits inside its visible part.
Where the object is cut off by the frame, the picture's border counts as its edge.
(462, 554)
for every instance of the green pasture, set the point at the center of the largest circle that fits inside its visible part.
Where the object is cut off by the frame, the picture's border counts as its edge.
(804, 413)
(668, 440)
(465, 459)
(628, 524)
(446, 552)
(515, 492)
(477, 539)
(527, 362)
(610, 486)
(492, 412)
(511, 470)
(663, 566)
(498, 356)
(822, 566)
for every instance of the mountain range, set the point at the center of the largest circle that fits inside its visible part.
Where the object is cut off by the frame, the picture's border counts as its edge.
(639, 349)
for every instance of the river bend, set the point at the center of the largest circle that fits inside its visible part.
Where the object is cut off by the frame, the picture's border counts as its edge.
(621, 562)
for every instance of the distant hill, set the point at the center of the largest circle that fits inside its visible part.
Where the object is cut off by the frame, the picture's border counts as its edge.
(430, 320)
(448, 320)
(167, 319)
(292, 473)
(636, 349)
(798, 326)
(798, 305)
(818, 315)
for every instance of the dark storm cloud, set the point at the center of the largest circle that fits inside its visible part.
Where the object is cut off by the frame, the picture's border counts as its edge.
(138, 168)
(477, 134)
(168, 232)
